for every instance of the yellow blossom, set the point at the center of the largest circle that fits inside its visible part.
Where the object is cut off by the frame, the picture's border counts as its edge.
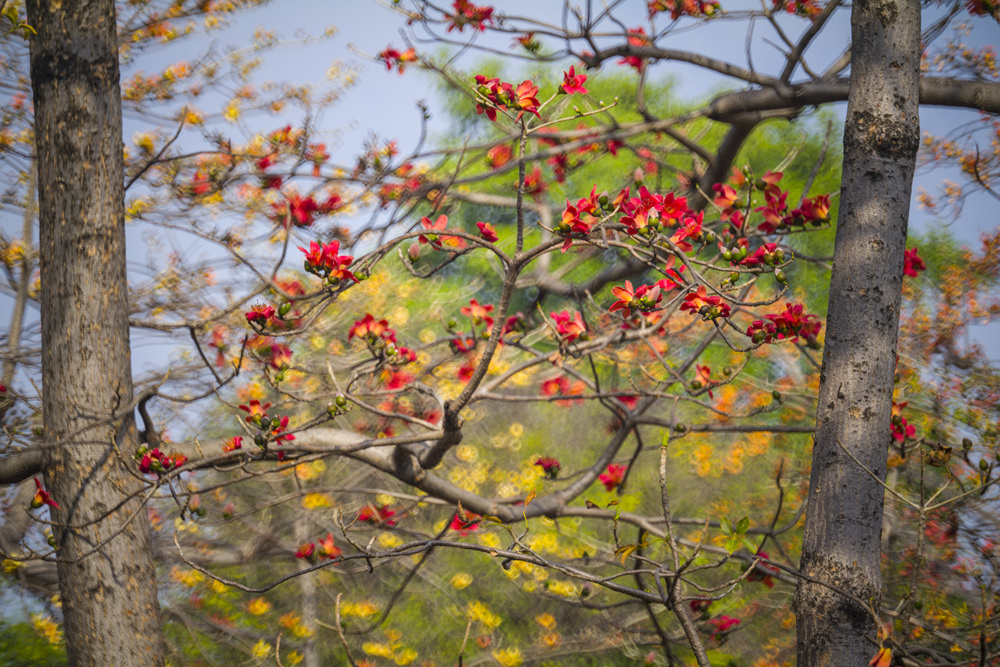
(563, 588)
(551, 639)
(373, 648)
(10, 565)
(258, 606)
(359, 609)
(313, 501)
(508, 657)
(466, 453)
(389, 540)
(516, 430)
(46, 627)
(232, 114)
(261, 649)
(218, 587)
(461, 580)
(405, 657)
(547, 621)
(478, 611)
(294, 658)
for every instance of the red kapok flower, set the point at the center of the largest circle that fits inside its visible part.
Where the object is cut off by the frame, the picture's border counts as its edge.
(42, 497)
(479, 314)
(234, 443)
(614, 477)
(465, 522)
(378, 514)
(912, 263)
(393, 58)
(570, 328)
(573, 82)
(255, 411)
(487, 232)
(306, 550)
(327, 549)
(467, 13)
(550, 466)
(722, 624)
(260, 314)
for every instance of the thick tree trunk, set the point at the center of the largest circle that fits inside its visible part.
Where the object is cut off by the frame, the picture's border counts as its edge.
(106, 573)
(844, 519)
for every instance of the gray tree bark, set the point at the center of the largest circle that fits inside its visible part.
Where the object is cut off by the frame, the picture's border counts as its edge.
(106, 575)
(844, 518)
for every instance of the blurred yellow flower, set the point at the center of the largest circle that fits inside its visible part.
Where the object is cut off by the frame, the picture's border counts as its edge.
(313, 501)
(547, 621)
(261, 649)
(461, 580)
(508, 657)
(258, 606)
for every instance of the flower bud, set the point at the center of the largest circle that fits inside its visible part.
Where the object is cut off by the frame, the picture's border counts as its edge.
(779, 275)
(341, 401)
(680, 427)
(414, 251)
(283, 309)
(260, 440)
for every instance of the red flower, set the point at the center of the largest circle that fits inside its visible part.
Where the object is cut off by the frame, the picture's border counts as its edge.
(465, 522)
(533, 183)
(327, 549)
(477, 313)
(234, 443)
(394, 58)
(614, 477)
(487, 232)
(260, 314)
(703, 379)
(467, 13)
(529, 42)
(912, 263)
(561, 386)
(790, 324)
(550, 466)
(570, 328)
(762, 571)
(377, 514)
(900, 428)
(326, 262)
(722, 624)
(255, 411)
(42, 497)
(525, 99)
(499, 155)
(636, 37)
(439, 225)
(644, 299)
(306, 550)
(573, 82)
(372, 331)
(709, 307)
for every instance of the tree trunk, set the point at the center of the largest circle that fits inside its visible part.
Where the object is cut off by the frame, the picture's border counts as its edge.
(106, 574)
(844, 519)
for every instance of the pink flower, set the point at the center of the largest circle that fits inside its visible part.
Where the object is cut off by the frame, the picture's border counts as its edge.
(614, 477)
(465, 522)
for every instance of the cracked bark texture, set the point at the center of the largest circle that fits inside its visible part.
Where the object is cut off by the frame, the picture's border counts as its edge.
(844, 518)
(106, 575)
